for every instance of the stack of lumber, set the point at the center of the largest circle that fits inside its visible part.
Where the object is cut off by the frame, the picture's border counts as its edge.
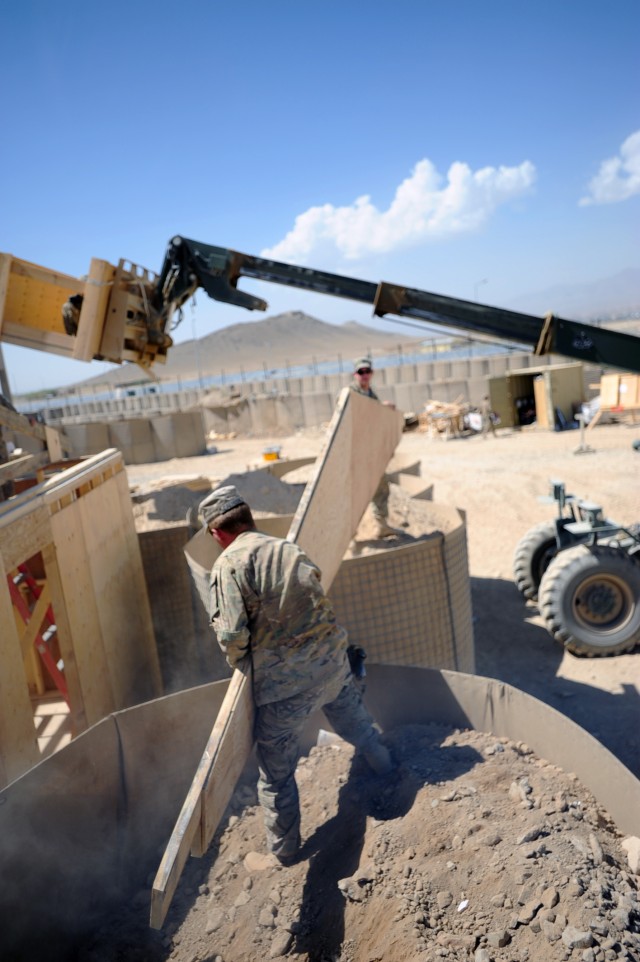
(443, 419)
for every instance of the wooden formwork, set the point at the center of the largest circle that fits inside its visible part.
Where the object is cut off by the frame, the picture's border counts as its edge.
(75, 533)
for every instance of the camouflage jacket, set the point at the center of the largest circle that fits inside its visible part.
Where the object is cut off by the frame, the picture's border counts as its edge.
(358, 390)
(268, 608)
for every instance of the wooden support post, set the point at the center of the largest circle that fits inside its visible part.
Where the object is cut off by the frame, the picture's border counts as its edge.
(18, 741)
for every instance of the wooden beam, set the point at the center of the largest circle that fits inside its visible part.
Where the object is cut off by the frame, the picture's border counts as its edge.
(363, 434)
(187, 827)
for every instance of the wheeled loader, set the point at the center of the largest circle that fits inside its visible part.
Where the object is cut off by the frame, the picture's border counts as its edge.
(584, 571)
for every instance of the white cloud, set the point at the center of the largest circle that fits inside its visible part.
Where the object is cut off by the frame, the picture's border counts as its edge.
(618, 177)
(424, 206)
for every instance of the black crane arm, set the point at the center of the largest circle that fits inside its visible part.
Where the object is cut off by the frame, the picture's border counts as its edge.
(191, 264)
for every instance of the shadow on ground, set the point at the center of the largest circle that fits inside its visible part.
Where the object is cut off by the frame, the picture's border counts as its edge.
(512, 645)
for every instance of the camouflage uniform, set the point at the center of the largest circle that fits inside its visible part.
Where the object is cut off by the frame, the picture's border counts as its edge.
(487, 419)
(380, 500)
(268, 607)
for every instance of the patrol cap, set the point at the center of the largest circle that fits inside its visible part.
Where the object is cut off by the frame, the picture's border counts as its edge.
(362, 362)
(218, 503)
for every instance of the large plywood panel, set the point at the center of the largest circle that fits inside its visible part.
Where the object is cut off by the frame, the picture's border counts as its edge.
(80, 604)
(64, 634)
(222, 761)
(363, 435)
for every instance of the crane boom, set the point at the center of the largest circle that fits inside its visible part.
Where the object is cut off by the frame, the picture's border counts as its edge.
(191, 264)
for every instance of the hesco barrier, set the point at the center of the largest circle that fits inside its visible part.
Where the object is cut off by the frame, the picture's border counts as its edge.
(81, 833)
(143, 440)
(411, 604)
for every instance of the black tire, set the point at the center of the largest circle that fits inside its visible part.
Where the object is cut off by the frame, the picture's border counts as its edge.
(590, 600)
(533, 554)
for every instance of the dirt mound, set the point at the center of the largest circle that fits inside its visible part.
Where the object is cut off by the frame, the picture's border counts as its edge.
(473, 849)
(161, 504)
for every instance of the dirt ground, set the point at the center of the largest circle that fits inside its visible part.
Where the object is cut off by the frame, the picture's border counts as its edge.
(474, 849)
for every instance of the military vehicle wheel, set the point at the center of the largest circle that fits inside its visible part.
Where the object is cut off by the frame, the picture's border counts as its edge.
(532, 557)
(589, 598)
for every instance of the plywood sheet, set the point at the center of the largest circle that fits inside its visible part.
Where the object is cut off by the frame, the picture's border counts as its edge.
(609, 385)
(79, 721)
(363, 434)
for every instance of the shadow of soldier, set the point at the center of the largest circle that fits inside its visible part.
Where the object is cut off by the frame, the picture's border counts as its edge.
(335, 848)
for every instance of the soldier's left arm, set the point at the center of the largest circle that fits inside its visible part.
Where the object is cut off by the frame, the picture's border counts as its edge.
(229, 617)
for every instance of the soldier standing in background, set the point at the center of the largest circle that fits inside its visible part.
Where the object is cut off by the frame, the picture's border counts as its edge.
(361, 384)
(271, 615)
(487, 417)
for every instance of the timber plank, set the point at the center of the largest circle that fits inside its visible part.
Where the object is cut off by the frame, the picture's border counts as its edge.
(234, 730)
(362, 437)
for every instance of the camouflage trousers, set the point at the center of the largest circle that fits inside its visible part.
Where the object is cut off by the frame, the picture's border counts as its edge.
(380, 501)
(277, 731)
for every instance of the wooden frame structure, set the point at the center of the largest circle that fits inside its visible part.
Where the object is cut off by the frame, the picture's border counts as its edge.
(76, 531)
(363, 434)
(619, 396)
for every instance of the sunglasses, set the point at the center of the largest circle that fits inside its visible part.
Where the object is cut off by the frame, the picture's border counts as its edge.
(363, 370)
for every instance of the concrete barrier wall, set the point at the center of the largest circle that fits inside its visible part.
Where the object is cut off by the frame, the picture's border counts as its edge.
(142, 440)
(283, 406)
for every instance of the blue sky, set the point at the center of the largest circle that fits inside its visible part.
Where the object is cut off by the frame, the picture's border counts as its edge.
(467, 148)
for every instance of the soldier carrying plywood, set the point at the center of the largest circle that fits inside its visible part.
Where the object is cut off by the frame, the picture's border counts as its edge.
(274, 622)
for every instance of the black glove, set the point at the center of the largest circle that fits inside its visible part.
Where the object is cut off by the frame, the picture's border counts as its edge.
(356, 656)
